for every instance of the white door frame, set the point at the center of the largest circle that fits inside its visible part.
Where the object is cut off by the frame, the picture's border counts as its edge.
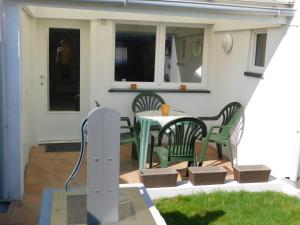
(62, 126)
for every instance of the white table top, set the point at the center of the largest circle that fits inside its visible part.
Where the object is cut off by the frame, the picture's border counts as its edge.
(156, 115)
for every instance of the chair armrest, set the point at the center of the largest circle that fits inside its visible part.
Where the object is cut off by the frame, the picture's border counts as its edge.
(210, 131)
(216, 117)
(128, 124)
(208, 117)
(127, 127)
(126, 119)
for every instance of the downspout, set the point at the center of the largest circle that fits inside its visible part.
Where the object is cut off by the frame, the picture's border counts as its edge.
(3, 116)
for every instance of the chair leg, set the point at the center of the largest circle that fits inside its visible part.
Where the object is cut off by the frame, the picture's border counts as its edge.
(163, 164)
(134, 154)
(151, 152)
(203, 151)
(230, 152)
(219, 148)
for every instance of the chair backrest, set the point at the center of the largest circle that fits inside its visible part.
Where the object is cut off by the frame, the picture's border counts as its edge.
(146, 101)
(229, 111)
(232, 118)
(181, 135)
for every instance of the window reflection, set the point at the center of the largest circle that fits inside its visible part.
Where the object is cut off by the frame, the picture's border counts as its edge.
(183, 55)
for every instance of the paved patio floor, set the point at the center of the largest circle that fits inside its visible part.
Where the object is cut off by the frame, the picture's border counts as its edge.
(50, 170)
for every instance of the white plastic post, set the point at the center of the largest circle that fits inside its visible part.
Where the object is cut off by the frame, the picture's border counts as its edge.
(103, 160)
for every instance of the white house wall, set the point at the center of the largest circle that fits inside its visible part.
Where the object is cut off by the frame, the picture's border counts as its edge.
(270, 102)
(265, 101)
(227, 83)
(272, 114)
(28, 48)
(60, 126)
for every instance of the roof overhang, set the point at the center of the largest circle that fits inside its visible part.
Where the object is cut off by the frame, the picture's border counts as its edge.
(215, 6)
(198, 11)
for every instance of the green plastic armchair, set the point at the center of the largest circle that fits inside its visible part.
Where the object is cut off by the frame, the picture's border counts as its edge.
(130, 136)
(181, 135)
(146, 101)
(221, 134)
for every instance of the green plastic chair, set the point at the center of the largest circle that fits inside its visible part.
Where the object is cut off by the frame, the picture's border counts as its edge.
(181, 135)
(129, 137)
(221, 135)
(146, 101)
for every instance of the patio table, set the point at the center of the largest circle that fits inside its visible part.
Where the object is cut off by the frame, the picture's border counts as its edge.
(146, 120)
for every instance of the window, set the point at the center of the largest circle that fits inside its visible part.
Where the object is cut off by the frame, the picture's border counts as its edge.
(64, 69)
(135, 53)
(260, 49)
(257, 53)
(183, 55)
(159, 55)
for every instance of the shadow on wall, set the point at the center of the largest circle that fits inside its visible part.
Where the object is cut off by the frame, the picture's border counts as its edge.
(252, 92)
(230, 82)
(274, 39)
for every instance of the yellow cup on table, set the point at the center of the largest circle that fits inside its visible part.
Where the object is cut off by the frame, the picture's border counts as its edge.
(165, 108)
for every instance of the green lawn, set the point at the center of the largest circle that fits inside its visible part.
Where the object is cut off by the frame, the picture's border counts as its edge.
(231, 208)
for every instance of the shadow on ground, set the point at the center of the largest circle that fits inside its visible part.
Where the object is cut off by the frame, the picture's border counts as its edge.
(178, 218)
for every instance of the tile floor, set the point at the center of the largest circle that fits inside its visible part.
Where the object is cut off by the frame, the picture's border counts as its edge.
(50, 170)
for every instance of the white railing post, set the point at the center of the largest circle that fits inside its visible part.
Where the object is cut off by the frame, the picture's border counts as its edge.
(103, 160)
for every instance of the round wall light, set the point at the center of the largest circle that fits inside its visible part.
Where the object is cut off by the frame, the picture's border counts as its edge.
(227, 43)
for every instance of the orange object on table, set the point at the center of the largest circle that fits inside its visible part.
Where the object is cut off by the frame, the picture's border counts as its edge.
(165, 109)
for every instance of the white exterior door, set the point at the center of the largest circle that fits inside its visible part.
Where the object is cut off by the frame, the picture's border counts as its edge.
(58, 118)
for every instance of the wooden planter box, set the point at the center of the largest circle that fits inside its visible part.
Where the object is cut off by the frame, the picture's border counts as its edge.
(160, 177)
(251, 173)
(207, 175)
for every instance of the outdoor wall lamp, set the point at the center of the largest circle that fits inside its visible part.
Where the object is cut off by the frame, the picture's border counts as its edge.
(227, 43)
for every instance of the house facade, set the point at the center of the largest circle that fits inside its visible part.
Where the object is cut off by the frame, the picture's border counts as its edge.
(219, 51)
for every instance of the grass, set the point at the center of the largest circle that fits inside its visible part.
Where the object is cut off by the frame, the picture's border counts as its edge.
(231, 208)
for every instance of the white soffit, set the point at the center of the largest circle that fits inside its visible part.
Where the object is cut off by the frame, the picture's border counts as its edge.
(244, 25)
(220, 20)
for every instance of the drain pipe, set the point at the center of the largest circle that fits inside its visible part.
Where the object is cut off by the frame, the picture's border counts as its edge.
(3, 116)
